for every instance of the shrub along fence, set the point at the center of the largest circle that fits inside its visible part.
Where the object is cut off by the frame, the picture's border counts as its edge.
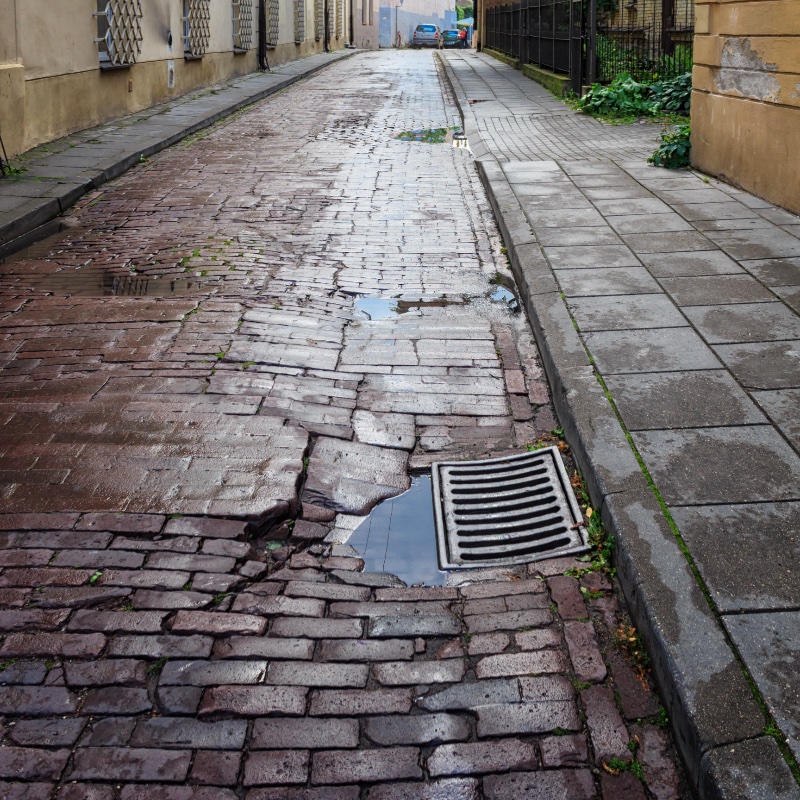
(648, 39)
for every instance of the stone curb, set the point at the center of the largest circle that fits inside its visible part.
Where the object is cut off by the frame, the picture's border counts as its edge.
(715, 718)
(18, 230)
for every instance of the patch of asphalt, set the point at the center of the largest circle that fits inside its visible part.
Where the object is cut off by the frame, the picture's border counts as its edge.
(18, 227)
(717, 720)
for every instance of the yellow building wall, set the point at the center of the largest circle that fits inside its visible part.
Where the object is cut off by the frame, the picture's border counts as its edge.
(51, 83)
(746, 95)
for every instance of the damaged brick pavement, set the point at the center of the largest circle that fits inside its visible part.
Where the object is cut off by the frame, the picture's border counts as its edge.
(175, 455)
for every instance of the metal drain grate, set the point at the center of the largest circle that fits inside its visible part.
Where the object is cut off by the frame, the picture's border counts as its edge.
(505, 511)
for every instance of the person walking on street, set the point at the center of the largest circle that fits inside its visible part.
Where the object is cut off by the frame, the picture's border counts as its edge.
(462, 35)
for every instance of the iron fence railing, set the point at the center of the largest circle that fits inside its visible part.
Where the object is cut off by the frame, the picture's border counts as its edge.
(648, 41)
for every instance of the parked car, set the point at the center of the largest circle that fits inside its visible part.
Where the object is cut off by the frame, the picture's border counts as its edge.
(450, 39)
(426, 36)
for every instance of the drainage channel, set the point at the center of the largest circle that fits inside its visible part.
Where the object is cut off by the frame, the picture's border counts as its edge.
(474, 514)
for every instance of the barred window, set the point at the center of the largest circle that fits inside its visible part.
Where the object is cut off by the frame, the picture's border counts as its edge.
(340, 19)
(319, 19)
(371, 11)
(364, 13)
(242, 24)
(119, 32)
(273, 23)
(196, 27)
(299, 21)
(332, 19)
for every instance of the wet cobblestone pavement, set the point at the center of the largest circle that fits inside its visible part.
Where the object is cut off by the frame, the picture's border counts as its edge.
(152, 647)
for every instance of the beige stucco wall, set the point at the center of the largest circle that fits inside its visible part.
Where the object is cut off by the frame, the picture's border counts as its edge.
(746, 98)
(51, 83)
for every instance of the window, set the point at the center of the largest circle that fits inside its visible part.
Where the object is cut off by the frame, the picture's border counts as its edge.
(242, 24)
(371, 11)
(364, 13)
(273, 23)
(196, 27)
(119, 32)
(299, 21)
(340, 19)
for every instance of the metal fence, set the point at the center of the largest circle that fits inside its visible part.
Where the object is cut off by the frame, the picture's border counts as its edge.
(547, 33)
(647, 38)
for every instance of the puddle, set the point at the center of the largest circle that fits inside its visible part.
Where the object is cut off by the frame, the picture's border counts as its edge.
(375, 308)
(98, 283)
(504, 291)
(427, 135)
(399, 536)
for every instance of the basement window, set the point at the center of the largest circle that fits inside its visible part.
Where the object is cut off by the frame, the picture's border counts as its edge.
(119, 32)
(242, 25)
(196, 27)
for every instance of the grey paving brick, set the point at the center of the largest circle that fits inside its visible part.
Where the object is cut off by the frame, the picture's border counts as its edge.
(345, 766)
(304, 733)
(422, 730)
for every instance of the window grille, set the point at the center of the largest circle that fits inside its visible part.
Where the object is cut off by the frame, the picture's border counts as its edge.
(299, 21)
(319, 19)
(273, 23)
(332, 18)
(242, 24)
(196, 27)
(364, 12)
(371, 12)
(340, 19)
(119, 31)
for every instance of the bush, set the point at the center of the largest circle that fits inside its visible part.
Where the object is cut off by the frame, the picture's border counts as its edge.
(674, 95)
(622, 97)
(673, 152)
(625, 97)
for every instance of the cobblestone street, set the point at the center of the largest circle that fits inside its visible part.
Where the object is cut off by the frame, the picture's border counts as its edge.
(224, 361)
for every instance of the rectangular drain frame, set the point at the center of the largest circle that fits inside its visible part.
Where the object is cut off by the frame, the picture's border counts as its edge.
(536, 491)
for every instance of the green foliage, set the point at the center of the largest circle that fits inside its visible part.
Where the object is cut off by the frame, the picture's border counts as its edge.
(622, 97)
(674, 150)
(674, 95)
(627, 97)
(613, 58)
(464, 12)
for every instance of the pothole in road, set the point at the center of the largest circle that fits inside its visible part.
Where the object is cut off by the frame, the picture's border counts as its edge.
(375, 308)
(505, 291)
(435, 136)
(399, 537)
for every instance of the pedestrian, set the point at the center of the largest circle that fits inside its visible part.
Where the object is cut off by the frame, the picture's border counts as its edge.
(462, 35)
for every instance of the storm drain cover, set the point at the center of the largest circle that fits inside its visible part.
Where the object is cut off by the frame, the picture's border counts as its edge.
(505, 510)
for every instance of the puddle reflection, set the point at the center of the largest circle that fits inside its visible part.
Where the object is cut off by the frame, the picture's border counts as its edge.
(399, 536)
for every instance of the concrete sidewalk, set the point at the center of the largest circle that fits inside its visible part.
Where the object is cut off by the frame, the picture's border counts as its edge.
(666, 308)
(57, 174)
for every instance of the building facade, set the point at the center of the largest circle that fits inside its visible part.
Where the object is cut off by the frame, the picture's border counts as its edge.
(746, 98)
(72, 64)
(398, 18)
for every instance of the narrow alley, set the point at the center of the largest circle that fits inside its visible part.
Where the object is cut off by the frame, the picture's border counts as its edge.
(218, 366)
